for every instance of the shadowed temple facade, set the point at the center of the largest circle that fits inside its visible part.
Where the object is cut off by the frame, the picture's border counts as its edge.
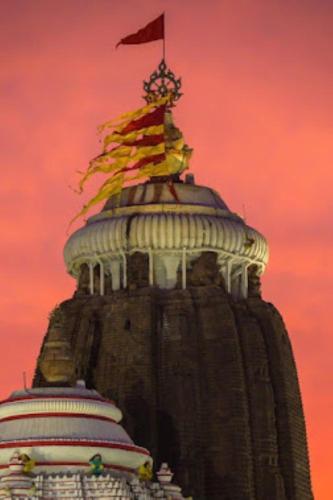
(168, 324)
(168, 320)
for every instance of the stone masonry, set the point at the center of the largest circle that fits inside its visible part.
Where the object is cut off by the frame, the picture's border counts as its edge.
(207, 383)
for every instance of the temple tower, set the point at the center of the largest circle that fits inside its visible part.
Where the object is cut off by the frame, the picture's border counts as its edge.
(168, 320)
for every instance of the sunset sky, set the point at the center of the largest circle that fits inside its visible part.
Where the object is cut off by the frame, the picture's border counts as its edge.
(257, 109)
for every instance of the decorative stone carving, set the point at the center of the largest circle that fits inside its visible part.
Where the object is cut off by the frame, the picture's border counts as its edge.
(204, 270)
(55, 362)
(15, 484)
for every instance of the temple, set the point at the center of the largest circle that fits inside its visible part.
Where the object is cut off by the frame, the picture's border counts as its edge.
(67, 443)
(167, 320)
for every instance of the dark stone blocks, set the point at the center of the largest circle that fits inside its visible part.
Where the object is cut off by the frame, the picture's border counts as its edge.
(206, 383)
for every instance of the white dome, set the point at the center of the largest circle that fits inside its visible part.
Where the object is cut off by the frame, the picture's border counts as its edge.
(173, 228)
(62, 428)
(163, 231)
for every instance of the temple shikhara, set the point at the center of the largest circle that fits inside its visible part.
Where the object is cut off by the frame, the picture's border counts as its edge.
(166, 375)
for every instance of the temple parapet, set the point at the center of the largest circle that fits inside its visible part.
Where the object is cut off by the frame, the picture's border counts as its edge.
(15, 484)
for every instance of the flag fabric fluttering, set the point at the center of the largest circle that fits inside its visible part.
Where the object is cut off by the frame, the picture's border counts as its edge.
(135, 143)
(135, 139)
(132, 141)
(141, 143)
(153, 31)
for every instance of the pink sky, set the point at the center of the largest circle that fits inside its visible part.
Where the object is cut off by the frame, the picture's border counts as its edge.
(257, 109)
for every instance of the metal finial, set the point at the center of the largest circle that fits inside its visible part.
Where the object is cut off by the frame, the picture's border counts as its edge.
(161, 83)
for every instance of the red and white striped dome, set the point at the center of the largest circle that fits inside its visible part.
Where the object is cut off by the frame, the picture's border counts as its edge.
(63, 428)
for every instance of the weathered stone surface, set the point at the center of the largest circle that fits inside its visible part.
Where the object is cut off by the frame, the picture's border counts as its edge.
(208, 384)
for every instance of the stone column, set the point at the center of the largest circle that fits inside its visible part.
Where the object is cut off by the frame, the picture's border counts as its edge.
(151, 267)
(244, 284)
(124, 270)
(115, 274)
(101, 278)
(91, 278)
(184, 268)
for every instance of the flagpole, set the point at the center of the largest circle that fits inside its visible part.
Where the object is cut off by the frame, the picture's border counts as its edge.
(164, 36)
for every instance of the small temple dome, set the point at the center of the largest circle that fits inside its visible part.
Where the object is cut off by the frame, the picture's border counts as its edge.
(63, 428)
(173, 224)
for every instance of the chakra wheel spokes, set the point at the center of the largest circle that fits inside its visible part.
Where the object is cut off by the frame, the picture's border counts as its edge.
(161, 83)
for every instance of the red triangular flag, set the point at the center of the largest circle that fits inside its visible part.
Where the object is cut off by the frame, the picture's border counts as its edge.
(153, 31)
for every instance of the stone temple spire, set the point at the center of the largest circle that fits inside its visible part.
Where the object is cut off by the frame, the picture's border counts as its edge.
(168, 319)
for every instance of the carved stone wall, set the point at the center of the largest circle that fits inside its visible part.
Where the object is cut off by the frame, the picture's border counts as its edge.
(205, 382)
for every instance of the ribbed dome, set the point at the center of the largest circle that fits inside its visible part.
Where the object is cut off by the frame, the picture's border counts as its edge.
(63, 428)
(173, 225)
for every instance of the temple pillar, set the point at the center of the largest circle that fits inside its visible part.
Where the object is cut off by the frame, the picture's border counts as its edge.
(115, 274)
(101, 278)
(91, 278)
(184, 268)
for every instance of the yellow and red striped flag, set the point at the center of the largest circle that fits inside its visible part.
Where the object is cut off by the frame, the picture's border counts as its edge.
(134, 142)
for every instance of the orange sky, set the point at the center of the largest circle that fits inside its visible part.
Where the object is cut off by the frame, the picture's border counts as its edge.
(257, 109)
